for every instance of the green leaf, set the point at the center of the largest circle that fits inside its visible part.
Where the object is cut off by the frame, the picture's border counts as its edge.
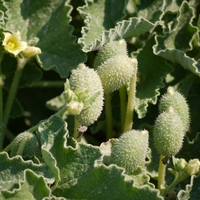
(152, 10)
(12, 171)
(152, 71)
(192, 189)
(100, 15)
(52, 133)
(173, 45)
(33, 187)
(47, 21)
(98, 31)
(105, 183)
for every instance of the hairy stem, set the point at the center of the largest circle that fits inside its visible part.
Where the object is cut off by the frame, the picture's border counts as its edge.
(109, 123)
(131, 102)
(122, 95)
(161, 173)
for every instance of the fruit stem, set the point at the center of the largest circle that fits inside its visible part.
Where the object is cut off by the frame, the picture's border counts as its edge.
(122, 95)
(161, 173)
(109, 123)
(131, 101)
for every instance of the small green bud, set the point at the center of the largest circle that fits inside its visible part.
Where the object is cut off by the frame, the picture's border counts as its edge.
(110, 50)
(130, 150)
(168, 133)
(25, 144)
(86, 79)
(75, 107)
(193, 167)
(178, 102)
(180, 164)
(116, 71)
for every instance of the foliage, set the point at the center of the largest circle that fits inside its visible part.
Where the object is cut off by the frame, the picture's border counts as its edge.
(47, 152)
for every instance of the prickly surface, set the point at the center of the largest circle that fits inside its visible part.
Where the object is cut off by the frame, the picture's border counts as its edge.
(110, 50)
(176, 100)
(31, 146)
(116, 71)
(84, 78)
(168, 133)
(130, 150)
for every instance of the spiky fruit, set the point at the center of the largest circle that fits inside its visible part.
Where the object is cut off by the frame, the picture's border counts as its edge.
(130, 150)
(168, 133)
(110, 50)
(25, 144)
(114, 66)
(176, 100)
(116, 72)
(86, 79)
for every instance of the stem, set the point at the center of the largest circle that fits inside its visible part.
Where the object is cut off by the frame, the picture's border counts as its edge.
(122, 95)
(131, 102)
(161, 173)
(1, 105)
(76, 133)
(53, 84)
(109, 123)
(11, 95)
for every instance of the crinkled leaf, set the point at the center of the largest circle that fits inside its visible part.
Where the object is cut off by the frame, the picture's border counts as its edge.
(96, 34)
(33, 187)
(52, 133)
(12, 171)
(100, 15)
(152, 10)
(152, 71)
(191, 190)
(49, 22)
(173, 45)
(103, 182)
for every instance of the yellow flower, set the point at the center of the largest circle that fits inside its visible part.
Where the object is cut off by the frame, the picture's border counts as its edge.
(31, 51)
(12, 43)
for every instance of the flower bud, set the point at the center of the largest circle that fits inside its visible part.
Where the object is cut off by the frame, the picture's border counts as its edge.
(180, 164)
(25, 144)
(193, 167)
(74, 107)
(168, 133)
(178, 102)
(116, 71)
(130, 150)
(31, 51)
(86, 79)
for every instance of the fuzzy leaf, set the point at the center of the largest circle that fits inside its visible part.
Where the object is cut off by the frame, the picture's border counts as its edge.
(12, 171)
(152, 10)
(33, 187)
(52, 133)
(173, 45)
(104, 182)
(191, 190)
(152, 71)
(47, 21)
(99, 31)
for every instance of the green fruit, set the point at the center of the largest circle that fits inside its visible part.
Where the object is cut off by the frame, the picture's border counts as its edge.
(110, 50)
(116, 71)
(25, 144)
(86, 79)
(178, 102)
(168, 133)
(130, 150)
